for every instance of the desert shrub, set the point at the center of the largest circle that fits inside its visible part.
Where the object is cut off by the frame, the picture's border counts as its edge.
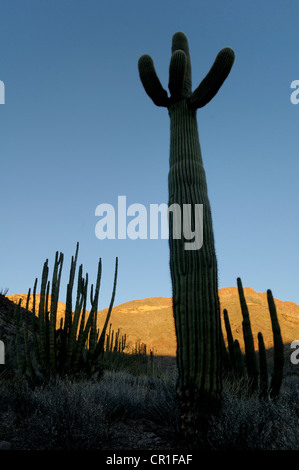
(69, 414)
(131, 396)
(135, 362)
(248, 423)
(60, 415)
(15, 395)
(74, 416)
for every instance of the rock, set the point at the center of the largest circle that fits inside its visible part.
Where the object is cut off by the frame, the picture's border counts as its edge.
(4, 445)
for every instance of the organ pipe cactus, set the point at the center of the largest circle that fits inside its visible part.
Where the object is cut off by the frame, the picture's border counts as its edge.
(251, 362)
(258, 377)
(277, 375)
(263, 367)
(76, 346)
(193, 272)
(230, 339)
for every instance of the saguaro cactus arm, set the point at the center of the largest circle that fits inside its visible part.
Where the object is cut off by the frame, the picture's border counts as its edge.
(177, 74)
(151, 82)
(180, 80)
(213, 81)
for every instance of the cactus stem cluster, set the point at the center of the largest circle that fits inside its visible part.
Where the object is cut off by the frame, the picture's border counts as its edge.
(73, 347)
(257, 372)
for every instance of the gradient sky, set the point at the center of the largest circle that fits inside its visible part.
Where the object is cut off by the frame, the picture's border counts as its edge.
(78, 130)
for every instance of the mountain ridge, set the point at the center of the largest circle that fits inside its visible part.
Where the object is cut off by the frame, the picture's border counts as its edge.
(150, 320)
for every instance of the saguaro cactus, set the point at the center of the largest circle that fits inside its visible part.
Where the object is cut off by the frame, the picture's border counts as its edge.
(194, 271)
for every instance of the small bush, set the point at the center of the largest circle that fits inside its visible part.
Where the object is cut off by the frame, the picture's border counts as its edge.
(74, 416)
(68, 414)
(248, 423)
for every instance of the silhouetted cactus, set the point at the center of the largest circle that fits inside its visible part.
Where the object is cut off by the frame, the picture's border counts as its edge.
(258, 376)
(238, 359)
(277, 375)
(250, 355)
(263, 386)
(73, 348)
(230, 339)
(225, 356)
(115, 342)
(193, 271)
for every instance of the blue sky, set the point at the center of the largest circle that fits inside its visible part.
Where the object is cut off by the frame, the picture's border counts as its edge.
(78, 130)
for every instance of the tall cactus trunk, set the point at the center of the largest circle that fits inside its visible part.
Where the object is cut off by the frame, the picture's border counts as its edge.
(194, 267)
(194, 274)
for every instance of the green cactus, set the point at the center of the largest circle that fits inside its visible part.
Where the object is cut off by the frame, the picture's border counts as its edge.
(42, 315)
(74, 347)
(115, 343)
(238, 360)
(250, 355)
(53, 315)
(193, 272)
(17, 319)
(263, 391)
(258, 376)
(277, 375)
(225, 356)
(230, 339)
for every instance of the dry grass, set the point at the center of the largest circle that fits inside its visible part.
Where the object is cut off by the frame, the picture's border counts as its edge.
(247, 423)
(79, 415)
(134, 406)
(86, 414)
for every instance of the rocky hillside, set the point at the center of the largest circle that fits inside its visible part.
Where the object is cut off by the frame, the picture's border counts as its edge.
(150, 320)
